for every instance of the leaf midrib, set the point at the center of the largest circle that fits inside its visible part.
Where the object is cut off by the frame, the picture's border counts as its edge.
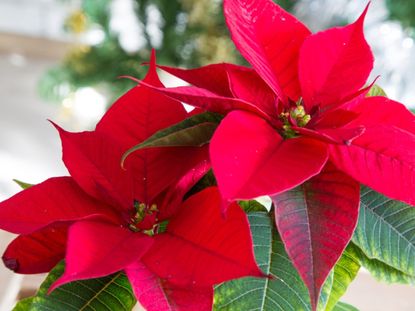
(88, 303)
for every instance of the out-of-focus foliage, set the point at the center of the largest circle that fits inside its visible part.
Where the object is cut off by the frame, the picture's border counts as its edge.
(193, 33)
(403, 11)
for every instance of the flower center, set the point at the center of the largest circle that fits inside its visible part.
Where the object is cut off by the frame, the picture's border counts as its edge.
(141, 212)
(295, 116)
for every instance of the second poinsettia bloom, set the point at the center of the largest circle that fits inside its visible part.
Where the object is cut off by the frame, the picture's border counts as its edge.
(104, 218)
(298, 127)
(301, 105)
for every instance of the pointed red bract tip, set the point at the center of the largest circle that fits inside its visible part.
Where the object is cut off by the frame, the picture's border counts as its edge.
(362, 16)
(152, 76)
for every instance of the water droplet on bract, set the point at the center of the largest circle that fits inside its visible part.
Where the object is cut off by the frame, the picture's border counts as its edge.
(194, 282)
(283, 19)
(344, 43)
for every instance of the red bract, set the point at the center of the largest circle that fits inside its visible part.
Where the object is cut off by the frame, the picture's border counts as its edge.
(298, 127)
(104, 219)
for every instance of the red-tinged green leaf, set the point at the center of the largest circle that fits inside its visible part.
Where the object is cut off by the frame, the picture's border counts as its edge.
(316, 221)
(201, 247)
(37, 252)
(385, 232)
(344, 273)
(109, 293)
(22, 184)
(195, 136)
(383, 158)
(284, 291)
(193, 131)
(380, 270)
(96, 249)
(156, 294)
(334, 64)
(54, 200)
(269, 38)
(250, 159)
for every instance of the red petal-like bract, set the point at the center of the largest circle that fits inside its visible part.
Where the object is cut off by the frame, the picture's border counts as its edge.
(37, 252)
(93, 159)
(97, 249)
(173, 197)
(250, 159)
(202, 98)
(334, 64)
(140, 112)
(156, 294)
(379, 110)
(202, 76)
(54, 200)
(343, 135)
(202, 248)
(270, 39)
(247, 85)
(383, 158)
(316, 221)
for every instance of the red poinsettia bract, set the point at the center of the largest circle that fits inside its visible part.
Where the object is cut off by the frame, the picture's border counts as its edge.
(299, 128)
(105, 219)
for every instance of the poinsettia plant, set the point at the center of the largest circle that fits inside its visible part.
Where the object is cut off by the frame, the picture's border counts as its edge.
(161, 205)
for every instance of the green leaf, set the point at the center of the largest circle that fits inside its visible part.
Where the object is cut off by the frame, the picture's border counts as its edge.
(376, 90)
(252, 206)
(112, 293)
(285, 291)
(24, 305)
(344, 272)
(381, 271)
(194, 131)
(386, 231)
(22, 184)
(341, 306)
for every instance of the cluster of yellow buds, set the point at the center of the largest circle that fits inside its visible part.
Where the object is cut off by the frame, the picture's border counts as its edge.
(141, 211)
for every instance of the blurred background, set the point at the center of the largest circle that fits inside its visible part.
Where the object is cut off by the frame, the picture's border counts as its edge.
(60, 59)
